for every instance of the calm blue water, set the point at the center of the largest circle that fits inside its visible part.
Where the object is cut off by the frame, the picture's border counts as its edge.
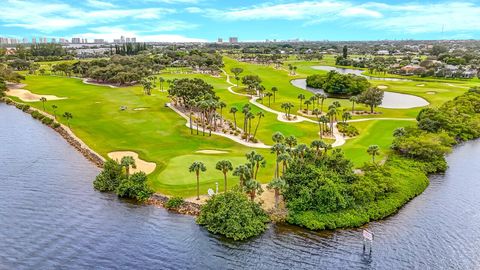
(51, 218)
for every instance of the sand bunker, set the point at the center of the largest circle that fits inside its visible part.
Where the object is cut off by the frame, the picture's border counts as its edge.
(142, 165)
(28, 96)
(140, 109)
(383, 87)
(207, 151)
(431, 93)
(420, 84)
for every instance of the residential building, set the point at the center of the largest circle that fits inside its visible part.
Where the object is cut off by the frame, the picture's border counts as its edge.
(75, 40)
(233, 39)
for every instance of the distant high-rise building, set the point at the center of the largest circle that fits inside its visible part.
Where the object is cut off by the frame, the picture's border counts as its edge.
(127, 40)
(233, 39)
(34, 40)
(25, 40)
(54, 40)
(43, 40)
(62, 41)
(134, 40)
(75, 40)
(98, 41)
(3, 40)
(122, 39)
(220, 40)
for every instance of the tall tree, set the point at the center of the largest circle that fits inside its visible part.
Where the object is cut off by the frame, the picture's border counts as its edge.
(43, 100)
(301, 97)
(260, 115)
(233, 111)
(236, 71)
(197, 167)
(371, 97)
(373, 150)
(278, 185)
(353, 99)
(345, 52)
(253, 188)
(224, 166)
(68, 116)
(274, 91)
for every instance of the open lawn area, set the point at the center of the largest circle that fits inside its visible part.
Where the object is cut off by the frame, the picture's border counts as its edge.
(160, 135)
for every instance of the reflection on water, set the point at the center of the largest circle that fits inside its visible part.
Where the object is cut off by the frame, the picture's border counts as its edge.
(52, 218)
(390, 100)
(358, 72)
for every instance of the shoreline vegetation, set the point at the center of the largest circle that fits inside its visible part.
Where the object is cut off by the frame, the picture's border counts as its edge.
(157, 199)
(315, 185)
(417, 153)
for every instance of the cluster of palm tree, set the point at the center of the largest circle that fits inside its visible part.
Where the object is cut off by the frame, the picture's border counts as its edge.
(247, 173)
(206, 108)
(316, 101)
(292, 69)
(248, 117)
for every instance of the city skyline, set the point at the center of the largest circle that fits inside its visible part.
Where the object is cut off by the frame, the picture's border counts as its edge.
(202, 21)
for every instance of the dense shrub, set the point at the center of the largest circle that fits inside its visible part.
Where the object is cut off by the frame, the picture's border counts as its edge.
(174, 202)
(347, 129)
(135, 187)
(339, 84)
(47, 121)
(233, 215)
(110, 177)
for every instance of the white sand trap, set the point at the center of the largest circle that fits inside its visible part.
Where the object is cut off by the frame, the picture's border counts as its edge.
(420, 84)
(383, 87)
(431, 93)
(208, 151)
(142, 165)
(28, 96)
(140, 109)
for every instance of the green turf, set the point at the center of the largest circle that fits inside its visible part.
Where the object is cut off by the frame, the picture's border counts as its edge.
(160, 135)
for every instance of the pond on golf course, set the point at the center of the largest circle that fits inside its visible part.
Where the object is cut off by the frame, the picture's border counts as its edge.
(391, 100)
(52, 218)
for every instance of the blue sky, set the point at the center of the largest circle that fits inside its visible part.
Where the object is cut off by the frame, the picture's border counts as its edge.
(205, 20)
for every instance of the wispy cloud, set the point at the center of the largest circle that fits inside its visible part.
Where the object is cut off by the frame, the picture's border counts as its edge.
(307, 10)
(99, 4)
(46, 17)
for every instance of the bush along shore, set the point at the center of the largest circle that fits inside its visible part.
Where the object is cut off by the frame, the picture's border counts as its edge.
(324, 193)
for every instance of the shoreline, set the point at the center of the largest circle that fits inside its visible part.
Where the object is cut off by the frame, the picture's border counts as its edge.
(157, 199)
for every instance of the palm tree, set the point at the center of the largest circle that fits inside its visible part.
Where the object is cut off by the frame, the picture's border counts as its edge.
(243, 172)
(332, 112)
(126, 162)
(318, 144)
(221, 105)
(197, 167)
(346, 116)
(256, 160)
(278, 149)
(224, 166)
(278, 185)
(250, 116)
(321, 97)
(285, 159)
(260, 115)
(324, 119)
(291, 141)
(353, 99)
(245, 110)
(274, 90)
(373, 150)
(269, 95)
(301, 97)
(54, 107)
(161, 80)
(313, 99)
(68, 116)
(301, 149)
(278, 137)
(253, 187)
(233, 111)
(307, 102)
(43, 100)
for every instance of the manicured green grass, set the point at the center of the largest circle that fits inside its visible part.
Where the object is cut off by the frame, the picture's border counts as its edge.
(160, 135)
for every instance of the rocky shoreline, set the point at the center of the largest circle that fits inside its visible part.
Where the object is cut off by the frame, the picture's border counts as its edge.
(187, 208)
